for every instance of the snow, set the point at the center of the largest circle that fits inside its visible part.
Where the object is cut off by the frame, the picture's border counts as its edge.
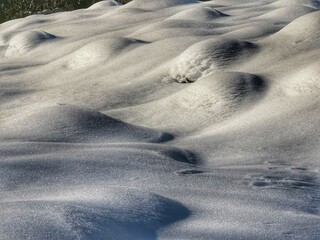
(171, 119)
(207, 57)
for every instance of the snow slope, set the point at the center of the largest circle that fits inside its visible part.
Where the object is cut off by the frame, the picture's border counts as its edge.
(171, 119)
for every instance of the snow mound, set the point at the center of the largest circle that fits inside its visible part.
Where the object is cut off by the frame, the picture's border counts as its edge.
(211, 99)
(26, 41)
(99, 51)
(208, 56)
(253, 31)
(304, 28)
(156, 4)
(225, 89)
(104, 4)
(174, 28)
(198, 14)
(117, 214)
(65, 123)
(287, 13)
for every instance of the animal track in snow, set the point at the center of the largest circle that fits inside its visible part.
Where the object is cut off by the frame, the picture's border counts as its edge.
(284, 178)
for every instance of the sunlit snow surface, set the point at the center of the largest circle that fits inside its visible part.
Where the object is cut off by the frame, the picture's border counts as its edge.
(168, 119)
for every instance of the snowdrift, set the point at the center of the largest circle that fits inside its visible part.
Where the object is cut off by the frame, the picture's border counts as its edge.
(171, 119)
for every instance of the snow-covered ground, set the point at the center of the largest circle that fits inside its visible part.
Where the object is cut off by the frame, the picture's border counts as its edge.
(169, 119)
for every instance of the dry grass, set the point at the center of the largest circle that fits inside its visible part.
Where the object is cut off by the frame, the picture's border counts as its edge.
(12, 9)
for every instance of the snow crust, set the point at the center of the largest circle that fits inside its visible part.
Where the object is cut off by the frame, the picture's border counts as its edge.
(171, 119)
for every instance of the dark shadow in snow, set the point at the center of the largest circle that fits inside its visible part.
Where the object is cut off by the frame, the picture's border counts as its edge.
(137, 216)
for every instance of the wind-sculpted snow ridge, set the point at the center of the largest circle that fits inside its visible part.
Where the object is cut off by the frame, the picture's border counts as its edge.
(171, 119)
(62, 123)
